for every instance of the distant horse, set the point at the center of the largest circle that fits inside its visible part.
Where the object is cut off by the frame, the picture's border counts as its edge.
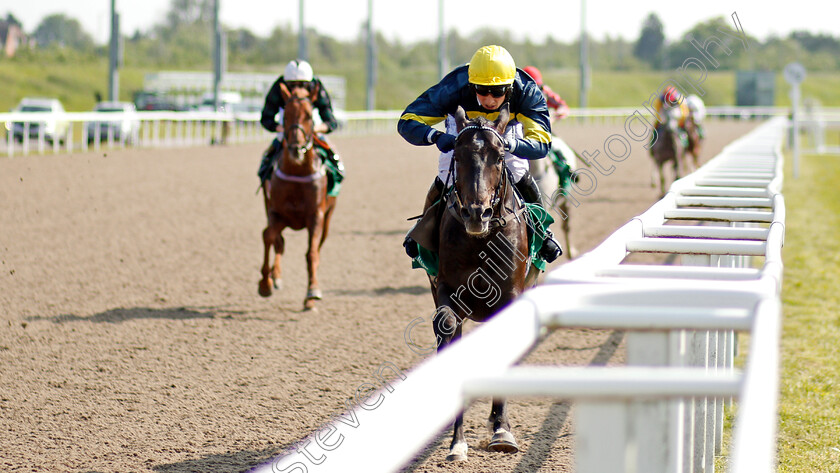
(667, 148)
(695, 143)
(483, 252)
(296, 195)
(554, 175)
(696, 114)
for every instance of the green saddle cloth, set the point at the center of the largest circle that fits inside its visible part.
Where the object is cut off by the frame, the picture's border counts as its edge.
(537, 216)
(334, 176)
(561, 168)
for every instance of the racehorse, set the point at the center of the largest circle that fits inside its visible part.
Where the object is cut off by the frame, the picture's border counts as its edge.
(483, 252)
(554, 176)
(296, 195)
(667, 148)
(695, 143)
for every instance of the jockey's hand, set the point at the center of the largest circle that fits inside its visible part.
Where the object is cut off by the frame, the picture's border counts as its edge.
(321, 128)
(445, 142)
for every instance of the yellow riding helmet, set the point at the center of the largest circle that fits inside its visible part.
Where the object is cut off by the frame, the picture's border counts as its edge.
(492, 65)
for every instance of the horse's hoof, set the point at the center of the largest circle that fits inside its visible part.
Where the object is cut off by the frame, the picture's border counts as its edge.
(503, 441)
(314, 294)
(458, 453)
(265, 287)
(309, 305)
(278, 284)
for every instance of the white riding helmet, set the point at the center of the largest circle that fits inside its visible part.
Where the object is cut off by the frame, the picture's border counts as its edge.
(297, 70)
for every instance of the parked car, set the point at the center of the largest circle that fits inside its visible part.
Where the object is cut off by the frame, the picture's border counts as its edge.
(54, 127)
(119, 129)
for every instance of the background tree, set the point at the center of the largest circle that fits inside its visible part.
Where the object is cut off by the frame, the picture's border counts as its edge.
(738, 58)
(60, 30)
(651, 42)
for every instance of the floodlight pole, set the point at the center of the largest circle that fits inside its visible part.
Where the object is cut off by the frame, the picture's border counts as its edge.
(218, 65)
(443, 62)
(584, 57)
(114, 56)
(303, 50)
(371, 60)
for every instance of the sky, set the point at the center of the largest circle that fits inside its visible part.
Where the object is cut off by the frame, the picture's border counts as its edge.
(418, 20)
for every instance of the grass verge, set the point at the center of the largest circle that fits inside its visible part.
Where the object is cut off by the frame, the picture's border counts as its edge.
(809, 404)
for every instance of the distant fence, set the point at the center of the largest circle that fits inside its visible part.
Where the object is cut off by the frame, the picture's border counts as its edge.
(663, 411)
(192, 128)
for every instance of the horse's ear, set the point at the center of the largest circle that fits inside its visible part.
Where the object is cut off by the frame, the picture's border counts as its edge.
(460, 118)
(504, 117)
(284, 92)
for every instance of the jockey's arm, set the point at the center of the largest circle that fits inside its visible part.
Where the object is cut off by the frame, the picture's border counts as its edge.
(536, 127)
(273, 104)
(324, 105)
(556, 102)
(415, 123)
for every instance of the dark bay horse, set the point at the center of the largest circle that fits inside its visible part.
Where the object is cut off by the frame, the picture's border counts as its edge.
(483, 252)
(296, 195)
(667, 148)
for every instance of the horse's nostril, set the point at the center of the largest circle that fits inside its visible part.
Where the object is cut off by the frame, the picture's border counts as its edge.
(488, 212)
(465, 213)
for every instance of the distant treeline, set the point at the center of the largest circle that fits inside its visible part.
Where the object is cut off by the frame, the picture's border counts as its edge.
(183, 42)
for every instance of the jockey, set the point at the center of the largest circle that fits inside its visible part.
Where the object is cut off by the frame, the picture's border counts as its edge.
(560, 155)
(669, 98)
(298, 73)
(481, 88)
(697, 111)
(553, 100)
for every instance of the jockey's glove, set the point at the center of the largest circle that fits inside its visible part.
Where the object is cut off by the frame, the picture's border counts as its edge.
(445, 142)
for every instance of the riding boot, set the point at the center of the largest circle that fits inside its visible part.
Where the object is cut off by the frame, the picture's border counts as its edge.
(530, 192)
(267, 162)
(332, 157)
(432, 196)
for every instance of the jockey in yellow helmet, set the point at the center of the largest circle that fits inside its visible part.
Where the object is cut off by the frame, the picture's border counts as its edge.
(481, 87)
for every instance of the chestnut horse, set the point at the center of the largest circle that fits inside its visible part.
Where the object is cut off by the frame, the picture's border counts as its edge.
(296, 195)
(667, 148)
(483, 252)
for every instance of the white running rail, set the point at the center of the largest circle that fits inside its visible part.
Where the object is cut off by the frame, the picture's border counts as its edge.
(663, 411)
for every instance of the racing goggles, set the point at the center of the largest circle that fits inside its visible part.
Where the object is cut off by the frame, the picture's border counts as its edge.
(494, 90)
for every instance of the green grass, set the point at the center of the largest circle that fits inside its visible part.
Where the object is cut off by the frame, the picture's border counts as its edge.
(74, 80)
(809, 408)
(809, 401)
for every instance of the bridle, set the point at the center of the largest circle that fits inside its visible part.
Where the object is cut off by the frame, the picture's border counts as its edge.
(307, 145)
(498, 195)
